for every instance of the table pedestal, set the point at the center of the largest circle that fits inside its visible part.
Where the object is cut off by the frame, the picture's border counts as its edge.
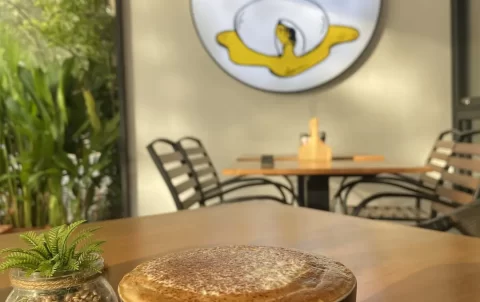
(318, 193)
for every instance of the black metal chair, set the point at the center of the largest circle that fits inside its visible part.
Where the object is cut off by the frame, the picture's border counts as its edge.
(465, 219)
(458, 186)
(173, 167)
(468, 136)
(182, 179)
(425, 184)
(210, 184)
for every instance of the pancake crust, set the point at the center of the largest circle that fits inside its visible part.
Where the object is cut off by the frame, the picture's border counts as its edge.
(238, 273)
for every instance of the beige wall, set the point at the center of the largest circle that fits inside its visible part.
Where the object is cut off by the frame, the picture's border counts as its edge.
(394, 103)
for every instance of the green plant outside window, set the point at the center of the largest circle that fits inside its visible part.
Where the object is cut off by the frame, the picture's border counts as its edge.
(59, 112)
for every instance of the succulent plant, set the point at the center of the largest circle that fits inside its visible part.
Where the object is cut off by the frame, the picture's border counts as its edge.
(55, 252)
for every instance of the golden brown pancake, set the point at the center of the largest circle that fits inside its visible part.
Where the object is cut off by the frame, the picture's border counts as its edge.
(239, 273)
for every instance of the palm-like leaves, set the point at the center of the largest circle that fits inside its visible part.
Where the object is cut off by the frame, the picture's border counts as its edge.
(55, 251)
(62, 101)
(50, 118)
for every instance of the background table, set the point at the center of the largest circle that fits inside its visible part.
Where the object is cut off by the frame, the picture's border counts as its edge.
(317, 193)
(392, 263)
(294, 157)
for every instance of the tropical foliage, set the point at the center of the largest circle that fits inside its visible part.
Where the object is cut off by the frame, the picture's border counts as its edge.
(55, 252)
(59, 115)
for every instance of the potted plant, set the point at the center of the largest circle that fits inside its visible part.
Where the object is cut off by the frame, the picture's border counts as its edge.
(56, 267)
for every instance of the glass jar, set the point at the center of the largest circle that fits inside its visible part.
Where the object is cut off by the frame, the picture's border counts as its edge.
(74, 287)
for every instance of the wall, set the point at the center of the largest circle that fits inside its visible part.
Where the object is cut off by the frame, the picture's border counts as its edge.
(394, 103)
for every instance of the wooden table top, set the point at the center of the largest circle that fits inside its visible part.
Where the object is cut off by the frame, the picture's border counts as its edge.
(294, 157)
(339, 168)
(391, 262)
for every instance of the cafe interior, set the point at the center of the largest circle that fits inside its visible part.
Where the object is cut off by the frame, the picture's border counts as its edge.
(239, 150)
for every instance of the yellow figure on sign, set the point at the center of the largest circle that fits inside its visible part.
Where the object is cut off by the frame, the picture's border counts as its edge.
(287, 64)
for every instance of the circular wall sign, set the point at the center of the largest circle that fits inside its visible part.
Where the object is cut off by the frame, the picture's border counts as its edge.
(285, 45)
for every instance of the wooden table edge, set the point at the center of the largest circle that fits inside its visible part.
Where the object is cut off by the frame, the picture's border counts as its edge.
(370, 272)
(294, 157)
(326, 172)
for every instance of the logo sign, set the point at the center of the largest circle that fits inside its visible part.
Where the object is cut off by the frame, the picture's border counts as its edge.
(285, 45)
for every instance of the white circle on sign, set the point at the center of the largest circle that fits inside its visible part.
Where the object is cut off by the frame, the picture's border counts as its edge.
(256, 23)
(285, 45)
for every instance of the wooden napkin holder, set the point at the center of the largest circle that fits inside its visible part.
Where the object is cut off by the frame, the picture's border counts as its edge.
(314, 149)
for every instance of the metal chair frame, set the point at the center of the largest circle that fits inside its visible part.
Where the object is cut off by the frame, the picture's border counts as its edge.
(163, 171)
(221, 188)
(201, 197)
(395, 180)
(463, 217)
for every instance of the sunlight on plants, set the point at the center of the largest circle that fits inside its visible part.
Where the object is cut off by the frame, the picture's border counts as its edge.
(59, 112)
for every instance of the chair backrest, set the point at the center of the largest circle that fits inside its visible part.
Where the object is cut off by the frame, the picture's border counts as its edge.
(176, 172)
(437, 159)
(460, 182)
(202, 166)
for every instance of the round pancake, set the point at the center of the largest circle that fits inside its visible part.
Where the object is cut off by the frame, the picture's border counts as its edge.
(239, 273)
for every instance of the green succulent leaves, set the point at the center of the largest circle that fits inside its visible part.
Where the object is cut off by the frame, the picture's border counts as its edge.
(55, 252)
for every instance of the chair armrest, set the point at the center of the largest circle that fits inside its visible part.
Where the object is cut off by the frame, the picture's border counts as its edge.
(255, 197)
(243, 186)
(467, 135)
(264, 181)
(374, 197)
(392, 181)
(232, 180)
(389, 181)
(290, 186)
